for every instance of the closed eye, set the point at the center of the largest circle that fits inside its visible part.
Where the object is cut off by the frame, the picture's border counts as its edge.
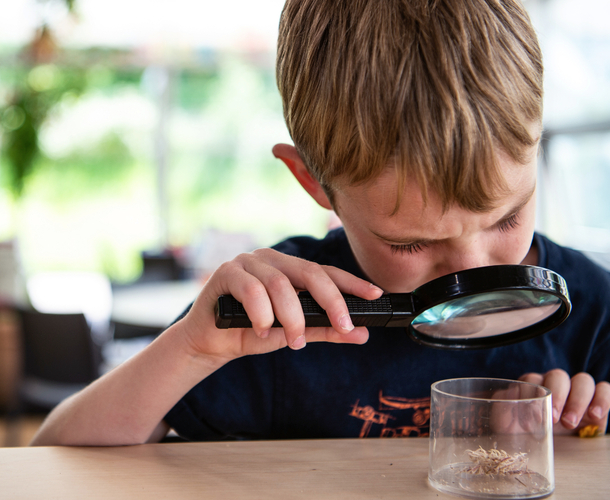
(508, 224)
(410, 248)
(504, 226)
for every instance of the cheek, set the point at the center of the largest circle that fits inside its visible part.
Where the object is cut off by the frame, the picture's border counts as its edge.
(394, 272)
(512, 247)
(523, 238)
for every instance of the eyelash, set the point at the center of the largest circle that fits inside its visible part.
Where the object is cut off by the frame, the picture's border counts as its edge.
(511, 223)
(410, 248)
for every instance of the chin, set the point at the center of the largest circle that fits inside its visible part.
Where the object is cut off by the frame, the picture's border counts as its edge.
(390, 286)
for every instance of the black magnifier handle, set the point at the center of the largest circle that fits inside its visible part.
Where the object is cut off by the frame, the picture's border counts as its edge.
(395, 309)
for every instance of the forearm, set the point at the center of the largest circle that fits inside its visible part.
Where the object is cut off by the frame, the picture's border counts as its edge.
(127, 405)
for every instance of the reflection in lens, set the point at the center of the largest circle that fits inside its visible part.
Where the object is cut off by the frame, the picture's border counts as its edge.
(487, 314)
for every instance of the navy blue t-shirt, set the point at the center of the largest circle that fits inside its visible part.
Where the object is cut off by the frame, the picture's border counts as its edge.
(382, 388)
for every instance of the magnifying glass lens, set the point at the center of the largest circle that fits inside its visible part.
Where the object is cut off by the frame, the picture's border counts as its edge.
(486, 314)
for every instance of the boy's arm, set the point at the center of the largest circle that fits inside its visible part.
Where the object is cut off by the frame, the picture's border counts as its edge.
(577, 401)
(127, 405)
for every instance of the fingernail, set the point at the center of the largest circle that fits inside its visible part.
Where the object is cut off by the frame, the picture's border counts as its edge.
(556, 415)
(299, 342)
(376, 288)
(345, 322)
(596, 412)
(570, 419)
(265, 334)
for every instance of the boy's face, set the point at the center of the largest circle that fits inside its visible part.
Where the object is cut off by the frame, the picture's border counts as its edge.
(403, 251)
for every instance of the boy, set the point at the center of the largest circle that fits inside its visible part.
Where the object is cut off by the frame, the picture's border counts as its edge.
(418, 122)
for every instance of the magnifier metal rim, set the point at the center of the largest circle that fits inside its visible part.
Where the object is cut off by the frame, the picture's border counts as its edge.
(486, 280)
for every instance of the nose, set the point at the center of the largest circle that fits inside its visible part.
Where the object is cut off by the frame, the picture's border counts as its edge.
(463, 255)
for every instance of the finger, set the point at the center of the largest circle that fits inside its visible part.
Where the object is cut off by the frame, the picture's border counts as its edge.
(334, 304)
(280, 274)
(325, 284)
(348, 283)
(306, 275)
(326, 293)
(232, 278)
(581, 393)
(528, 415)
(600, 406)
(532, 378)
(277, 338)
(358, 335)
(284, 300)
(255, 282)
(558, 381)
(535, 411)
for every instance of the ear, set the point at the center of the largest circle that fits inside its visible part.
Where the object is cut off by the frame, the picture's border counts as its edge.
(289, 155)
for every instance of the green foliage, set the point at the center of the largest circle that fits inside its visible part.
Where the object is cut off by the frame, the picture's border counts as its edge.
(98, 168)
(20, 144)
(196, 88)
(40, 88)
(128, 76)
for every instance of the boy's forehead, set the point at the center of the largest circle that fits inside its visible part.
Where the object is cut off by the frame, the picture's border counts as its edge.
(375, 201)
(381, 192)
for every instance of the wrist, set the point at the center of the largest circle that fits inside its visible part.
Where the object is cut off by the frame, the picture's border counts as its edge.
(186, 336)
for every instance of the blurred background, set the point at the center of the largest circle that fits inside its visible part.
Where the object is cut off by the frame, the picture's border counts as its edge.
(574, 208)
(154, 124)
(135, 156)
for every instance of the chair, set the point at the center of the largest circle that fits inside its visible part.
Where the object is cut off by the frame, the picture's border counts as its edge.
(59, 357)
(122, 331)
(160, 266)
(156, 267)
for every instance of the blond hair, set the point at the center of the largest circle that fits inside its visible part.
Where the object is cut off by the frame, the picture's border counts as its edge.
(432, 87)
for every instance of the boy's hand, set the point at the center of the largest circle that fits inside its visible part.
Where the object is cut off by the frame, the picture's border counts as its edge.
(266, 283)
(577, 402)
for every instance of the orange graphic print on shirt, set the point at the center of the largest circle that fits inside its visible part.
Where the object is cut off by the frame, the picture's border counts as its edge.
(394, 417)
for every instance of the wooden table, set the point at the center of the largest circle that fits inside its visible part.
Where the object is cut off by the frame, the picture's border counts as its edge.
(335, 469)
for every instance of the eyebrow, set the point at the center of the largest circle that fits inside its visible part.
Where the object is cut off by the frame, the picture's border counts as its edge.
(422, 241)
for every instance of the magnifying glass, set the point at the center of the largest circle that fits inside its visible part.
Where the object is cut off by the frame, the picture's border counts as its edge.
(471, 309)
